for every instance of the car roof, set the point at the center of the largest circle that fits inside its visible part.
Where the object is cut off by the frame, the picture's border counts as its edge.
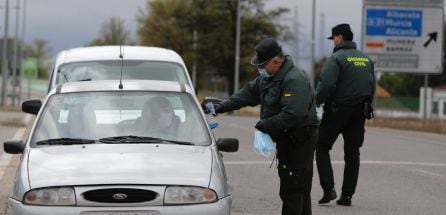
(95, 53)
(128, 85)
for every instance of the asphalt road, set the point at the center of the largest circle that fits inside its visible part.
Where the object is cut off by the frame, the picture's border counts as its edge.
(402, 173)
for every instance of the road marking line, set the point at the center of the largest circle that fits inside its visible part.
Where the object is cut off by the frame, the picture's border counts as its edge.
(5, 159)
(408, 163)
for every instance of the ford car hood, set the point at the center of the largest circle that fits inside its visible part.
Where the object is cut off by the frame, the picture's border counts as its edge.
(163, 164)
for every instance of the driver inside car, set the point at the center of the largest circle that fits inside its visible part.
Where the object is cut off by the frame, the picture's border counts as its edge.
(157, 119)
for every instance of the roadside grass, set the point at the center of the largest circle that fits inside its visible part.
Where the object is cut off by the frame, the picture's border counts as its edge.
(12, 122)
(412, 124)
(11, 108)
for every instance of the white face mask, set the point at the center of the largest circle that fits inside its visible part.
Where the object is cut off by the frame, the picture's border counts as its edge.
(165, 119)
(263, 72)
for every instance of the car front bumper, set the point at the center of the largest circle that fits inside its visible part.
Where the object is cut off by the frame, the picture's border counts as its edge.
(221, 207)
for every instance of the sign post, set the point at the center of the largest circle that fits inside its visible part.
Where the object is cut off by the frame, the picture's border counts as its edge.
(30, 67)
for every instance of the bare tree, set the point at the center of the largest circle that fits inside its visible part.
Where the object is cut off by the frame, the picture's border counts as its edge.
(112, 32)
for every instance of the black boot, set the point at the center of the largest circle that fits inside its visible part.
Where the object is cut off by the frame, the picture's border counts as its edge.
(344, 200)
(328, 196)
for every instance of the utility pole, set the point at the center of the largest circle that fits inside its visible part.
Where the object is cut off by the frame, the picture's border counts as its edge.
(237, 49)
(313, 33)
(322, 37)
(296, 33)
(15, 60)
(4, 55)
(426, 84)
(194, 65)
(22, 50)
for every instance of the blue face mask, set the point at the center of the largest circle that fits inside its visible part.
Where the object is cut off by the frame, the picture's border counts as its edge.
(263, 72)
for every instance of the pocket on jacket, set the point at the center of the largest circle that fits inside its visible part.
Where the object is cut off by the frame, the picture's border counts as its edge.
(293, 178)
(272, 96)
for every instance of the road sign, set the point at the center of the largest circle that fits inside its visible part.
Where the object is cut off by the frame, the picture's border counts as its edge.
(30, 67)
(438, 3)
(404, 38)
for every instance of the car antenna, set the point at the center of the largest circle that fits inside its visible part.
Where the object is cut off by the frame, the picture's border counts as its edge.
(121, 55)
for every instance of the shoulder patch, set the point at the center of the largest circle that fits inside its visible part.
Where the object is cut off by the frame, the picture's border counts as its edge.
(287, 94)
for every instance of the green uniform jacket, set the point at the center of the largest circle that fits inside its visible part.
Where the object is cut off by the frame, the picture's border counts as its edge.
(347, 77)
(286, 99)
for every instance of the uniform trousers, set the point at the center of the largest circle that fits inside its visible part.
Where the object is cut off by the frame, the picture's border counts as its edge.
(348, 121)
(296, 173)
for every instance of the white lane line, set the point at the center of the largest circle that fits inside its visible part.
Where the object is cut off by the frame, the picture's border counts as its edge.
(408, 163)
(5, 158)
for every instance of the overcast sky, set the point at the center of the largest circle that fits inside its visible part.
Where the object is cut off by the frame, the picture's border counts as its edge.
(73, 23)
(67, 24)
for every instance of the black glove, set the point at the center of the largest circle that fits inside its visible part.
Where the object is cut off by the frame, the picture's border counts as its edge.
(219, 108)
(261, 126)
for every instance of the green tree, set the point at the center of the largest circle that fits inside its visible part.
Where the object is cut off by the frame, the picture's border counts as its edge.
(171, 23)
(113, 32)
(402, 84)
(39, 49)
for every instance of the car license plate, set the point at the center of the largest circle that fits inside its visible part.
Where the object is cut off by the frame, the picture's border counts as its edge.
(120, 213)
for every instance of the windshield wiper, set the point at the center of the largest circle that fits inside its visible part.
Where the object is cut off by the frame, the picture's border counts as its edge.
(87, 79)
(139, 139)
(179, 142)
(130, 139)
(65, 141)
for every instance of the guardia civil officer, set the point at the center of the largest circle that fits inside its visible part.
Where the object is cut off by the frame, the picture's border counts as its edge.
(347, 87)
(288, 115)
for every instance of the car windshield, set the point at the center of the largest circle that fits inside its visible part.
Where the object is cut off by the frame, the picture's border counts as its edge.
(111, 70)
(133, 116)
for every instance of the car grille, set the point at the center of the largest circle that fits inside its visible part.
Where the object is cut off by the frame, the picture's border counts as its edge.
(119, 195)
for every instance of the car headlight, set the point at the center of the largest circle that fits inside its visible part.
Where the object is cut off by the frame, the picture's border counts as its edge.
(51, 196)
(189, 195)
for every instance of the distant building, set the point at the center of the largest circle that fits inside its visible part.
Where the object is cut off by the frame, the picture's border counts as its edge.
(436, 102)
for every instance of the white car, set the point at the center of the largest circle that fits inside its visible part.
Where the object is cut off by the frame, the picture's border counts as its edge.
(95, 149)
(105, 63)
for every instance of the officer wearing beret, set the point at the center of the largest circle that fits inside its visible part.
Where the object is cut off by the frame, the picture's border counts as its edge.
(288, 115)
(347, 87)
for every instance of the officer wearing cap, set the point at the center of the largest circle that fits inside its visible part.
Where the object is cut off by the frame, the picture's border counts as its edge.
(288, 115)
(346, 86)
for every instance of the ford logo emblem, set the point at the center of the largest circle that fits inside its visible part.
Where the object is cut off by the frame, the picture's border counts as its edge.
(119, 196)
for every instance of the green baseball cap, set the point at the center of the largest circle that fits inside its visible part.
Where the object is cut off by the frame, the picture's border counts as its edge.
(265, 50)
(341, 29)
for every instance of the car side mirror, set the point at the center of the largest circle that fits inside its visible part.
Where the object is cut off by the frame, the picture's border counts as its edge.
(227, 144)
(32, 106)
(14, 147)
